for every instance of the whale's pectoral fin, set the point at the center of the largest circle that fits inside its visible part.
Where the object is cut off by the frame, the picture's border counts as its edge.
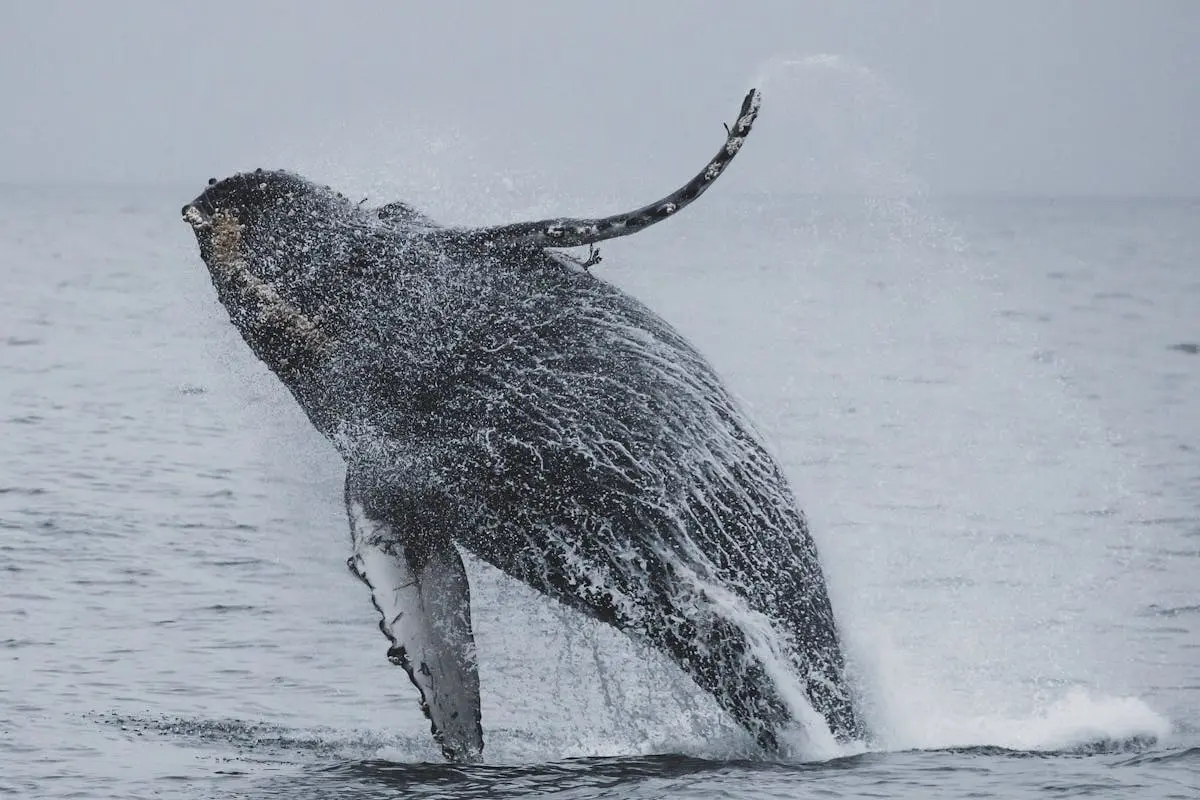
(420, 589)
(566, 232)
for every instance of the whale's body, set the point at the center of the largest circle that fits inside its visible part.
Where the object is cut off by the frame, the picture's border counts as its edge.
(491, 394)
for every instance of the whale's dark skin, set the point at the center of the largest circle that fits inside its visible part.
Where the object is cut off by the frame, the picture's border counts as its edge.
(492, 394)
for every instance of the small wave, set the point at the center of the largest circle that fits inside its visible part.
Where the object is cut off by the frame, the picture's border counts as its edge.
(1155, 610)
(258, 740)
(28, 491)
(1186, 755)
(1133, 744)
(575, 775)
(491, 780)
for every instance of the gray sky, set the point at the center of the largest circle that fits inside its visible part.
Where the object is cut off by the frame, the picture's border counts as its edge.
(958, 96)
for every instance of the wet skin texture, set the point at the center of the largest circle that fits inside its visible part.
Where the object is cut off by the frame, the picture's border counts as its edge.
(490, 393)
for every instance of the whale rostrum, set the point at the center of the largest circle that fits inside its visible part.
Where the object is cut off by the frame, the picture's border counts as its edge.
(488, 394)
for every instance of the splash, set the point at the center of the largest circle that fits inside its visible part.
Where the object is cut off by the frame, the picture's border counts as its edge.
(985, 509)
(1077, 721)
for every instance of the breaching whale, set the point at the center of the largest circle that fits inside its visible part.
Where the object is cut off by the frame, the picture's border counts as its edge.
(487, 391)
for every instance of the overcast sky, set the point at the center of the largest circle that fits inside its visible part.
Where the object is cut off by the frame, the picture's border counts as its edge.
(1028, 97)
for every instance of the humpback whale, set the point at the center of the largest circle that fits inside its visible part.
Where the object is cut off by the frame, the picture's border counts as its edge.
(487, 391)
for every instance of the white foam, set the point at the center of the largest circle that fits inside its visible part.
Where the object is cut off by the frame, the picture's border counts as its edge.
(1076, 719)
(913, 707)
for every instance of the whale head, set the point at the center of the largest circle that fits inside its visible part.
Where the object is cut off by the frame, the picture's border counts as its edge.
(271, 222)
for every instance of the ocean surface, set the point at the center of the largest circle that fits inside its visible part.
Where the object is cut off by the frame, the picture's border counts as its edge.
(990, 409)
